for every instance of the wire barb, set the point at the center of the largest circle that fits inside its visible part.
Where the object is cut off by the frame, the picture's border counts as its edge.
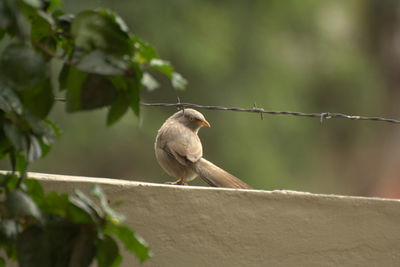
(324, 116)
(179, 106)
(259, 110)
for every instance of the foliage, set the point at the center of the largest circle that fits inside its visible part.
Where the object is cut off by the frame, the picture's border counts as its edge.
(103, 65)
(60, 229)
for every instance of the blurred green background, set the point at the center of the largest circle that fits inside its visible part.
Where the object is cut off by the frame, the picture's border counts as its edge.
(308, 56)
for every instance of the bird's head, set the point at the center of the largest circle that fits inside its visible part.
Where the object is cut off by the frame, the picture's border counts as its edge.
(192, 119)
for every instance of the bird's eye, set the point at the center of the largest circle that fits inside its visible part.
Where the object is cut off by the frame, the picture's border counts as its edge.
(191, 119)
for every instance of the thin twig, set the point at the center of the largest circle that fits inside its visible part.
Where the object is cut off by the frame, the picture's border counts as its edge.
(50, 53)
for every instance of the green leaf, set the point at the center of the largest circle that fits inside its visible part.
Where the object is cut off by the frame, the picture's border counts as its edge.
(93, 208)
(21, 163)
(12, 19)
(39, 99)
(144, 52)
(118, 108)
(22, 66)
(54, 4)
(9, 100)
(9, 230)
(63, 77)
(114, 216)
(9, 181)
(81, 201)
(98, 62)
(56, 132)
(34, 3)
(127, 89)
(10, 251)
(16, 136)
(71, 78)
(115, 18)
(134, 86)
(162, 65)
(6, 178)
(35, 190)
(84, 249)
(132, 242)
(147, 54)
(54, 203)
(88, 91)
(33, 248)
(149, 82)
(44, 146)
(117, 261)
(2, 262)
(88, 202)
(119, 82)
(47, 132)
(97, 91)
(35, 149)
(107, 251)
(61, 236)
(63, 22)
(5, 145)
(77, 212)
(135, 100)
(178, 82)
(44, 133)
(19, 204)
(73, 83)
(41, 27)
(46, 129)
(61, 243)
(100, 30)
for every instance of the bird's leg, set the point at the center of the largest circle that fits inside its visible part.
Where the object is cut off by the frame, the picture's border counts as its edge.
(178, 182)
(181, 182)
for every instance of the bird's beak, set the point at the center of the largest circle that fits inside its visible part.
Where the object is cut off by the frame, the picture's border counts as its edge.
(205, 123)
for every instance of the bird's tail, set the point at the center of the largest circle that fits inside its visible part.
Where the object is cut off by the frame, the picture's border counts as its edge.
(215, 176)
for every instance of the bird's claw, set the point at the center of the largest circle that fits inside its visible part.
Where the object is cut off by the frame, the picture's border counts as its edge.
(179, 182)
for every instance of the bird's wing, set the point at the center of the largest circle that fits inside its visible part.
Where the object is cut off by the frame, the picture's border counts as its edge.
(184, 150)
(183, 145)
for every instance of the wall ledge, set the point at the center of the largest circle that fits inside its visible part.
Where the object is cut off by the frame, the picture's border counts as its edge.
(203, 226)
(121, 182)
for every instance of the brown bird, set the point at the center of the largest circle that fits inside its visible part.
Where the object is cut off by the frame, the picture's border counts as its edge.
(180, 153)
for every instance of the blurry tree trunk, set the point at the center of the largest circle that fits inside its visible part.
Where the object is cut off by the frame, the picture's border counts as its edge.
(384, 35)
(383, 22)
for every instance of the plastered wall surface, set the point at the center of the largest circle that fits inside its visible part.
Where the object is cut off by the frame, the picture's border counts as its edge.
(199, 226)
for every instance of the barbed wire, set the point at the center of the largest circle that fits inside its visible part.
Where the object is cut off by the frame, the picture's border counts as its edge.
(322, 116)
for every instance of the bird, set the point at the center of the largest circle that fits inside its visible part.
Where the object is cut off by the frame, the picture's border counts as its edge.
(179, 152)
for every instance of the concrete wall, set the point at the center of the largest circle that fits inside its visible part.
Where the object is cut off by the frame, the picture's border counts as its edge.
(199, 226)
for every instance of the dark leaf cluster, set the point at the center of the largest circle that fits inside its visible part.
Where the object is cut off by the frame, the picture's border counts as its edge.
(103, 65)
(53, 229)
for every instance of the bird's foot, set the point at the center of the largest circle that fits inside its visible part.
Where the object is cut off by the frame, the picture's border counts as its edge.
(179, 182)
